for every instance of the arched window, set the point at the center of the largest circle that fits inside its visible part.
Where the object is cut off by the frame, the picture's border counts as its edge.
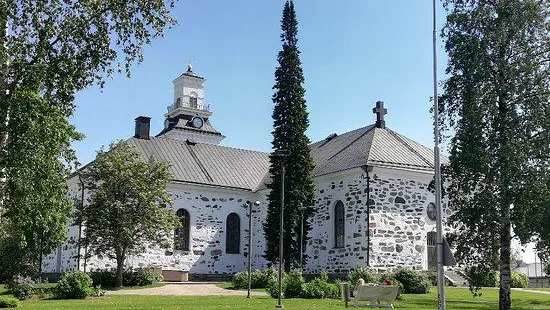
(431, 211)
(233, 234)
(181, 234)
(339, 225)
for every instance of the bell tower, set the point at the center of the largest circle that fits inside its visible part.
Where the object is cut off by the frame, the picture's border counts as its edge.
(188, 117)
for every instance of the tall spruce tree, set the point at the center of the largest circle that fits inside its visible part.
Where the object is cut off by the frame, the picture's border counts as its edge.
(290, 121)
(496, 100)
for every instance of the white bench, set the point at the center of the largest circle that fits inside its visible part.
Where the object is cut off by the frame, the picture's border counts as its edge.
(381, 296)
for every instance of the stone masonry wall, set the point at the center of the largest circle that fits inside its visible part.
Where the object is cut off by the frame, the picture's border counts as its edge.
(208, 209)
(398, 229)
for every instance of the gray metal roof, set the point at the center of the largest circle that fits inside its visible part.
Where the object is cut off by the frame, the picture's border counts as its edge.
(206, 163)
(183, 125)
(370, 145)
(216, 165)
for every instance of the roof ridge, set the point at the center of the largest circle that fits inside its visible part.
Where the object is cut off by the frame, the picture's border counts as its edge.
(352, 142)
(326, 163)
(341, 134)
(400, 139)
(215, 145)
(199, 163)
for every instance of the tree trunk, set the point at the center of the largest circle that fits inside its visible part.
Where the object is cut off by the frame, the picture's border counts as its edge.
(119, 269)
(39, 269)
(505, 301)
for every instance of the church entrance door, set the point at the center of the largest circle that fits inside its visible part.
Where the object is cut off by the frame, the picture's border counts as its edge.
(432, 250)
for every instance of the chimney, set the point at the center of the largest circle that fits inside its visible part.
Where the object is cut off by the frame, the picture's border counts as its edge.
(143, 123)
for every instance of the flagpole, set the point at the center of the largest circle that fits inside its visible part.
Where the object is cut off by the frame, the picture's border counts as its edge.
(441, 305)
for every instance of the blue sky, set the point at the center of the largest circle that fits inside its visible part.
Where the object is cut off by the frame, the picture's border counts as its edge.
(354, 53)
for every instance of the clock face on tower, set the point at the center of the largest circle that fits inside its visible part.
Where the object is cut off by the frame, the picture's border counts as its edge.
(197, 122)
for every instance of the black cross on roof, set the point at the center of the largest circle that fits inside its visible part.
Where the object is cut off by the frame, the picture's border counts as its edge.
(380, 112)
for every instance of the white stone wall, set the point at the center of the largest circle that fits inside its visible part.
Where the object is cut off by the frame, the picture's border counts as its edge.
(185, 87)
(208, 208)
(398, 230)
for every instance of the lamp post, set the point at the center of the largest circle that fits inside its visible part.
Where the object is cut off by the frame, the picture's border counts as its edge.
(257, 203)
(281, 154)
(368, 169)
(441, 305)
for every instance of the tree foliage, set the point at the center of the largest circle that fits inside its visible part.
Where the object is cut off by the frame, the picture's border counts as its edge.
(496, 100)
(290, 121)
(126, 210)
(49, 50)
(36, 208)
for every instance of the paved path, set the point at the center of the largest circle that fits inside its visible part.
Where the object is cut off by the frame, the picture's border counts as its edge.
(532, 291)
(185, 289)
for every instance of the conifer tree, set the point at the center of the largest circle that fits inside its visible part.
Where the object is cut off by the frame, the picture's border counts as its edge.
(496, 100)
(290, 121)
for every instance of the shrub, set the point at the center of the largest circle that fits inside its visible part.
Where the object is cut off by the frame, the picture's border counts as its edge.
(264, 277)
(74, 285)
(482, 277)
(97, 291)
(259, 279)
(293, 284)
(391, 276)
(141, 277)
(7, 301)
(547, 269)
(364, 273)
(519, 279)
(320, 288)
(414, 282)
(105, 278)
(137, 277)
(272, 288)
(240, 280)
(432, 276)
(20, 287)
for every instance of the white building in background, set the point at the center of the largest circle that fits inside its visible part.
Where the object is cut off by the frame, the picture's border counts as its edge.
(212, 186)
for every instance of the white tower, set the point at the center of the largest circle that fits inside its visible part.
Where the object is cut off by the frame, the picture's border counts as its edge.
(188, 116)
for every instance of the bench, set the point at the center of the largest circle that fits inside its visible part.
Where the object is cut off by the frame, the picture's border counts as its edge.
(381, 296)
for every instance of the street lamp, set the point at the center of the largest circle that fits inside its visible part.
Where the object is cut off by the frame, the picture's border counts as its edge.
(256, 204)
(281, 153)
(368, 169)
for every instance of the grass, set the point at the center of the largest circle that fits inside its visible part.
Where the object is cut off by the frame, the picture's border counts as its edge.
(229, 286)
(457, 298)
(51, 285)
(547, 289)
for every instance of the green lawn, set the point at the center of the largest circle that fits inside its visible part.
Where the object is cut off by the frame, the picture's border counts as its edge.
(539, 289)
(457, 298)
(229, 286)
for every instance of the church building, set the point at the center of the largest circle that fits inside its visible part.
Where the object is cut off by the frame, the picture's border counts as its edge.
(213, 186)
